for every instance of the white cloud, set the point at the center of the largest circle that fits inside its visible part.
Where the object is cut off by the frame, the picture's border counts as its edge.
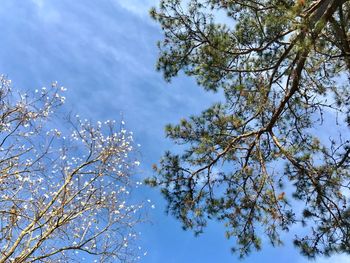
(46, 12)
(38, 3)
(343, 258)
(338, 258)
(138, 7)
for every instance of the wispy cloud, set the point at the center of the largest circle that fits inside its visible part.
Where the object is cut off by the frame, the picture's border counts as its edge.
(335, 259)
(139, 7)
(38, 3)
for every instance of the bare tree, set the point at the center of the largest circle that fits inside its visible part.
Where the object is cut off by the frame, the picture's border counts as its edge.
(64, 195)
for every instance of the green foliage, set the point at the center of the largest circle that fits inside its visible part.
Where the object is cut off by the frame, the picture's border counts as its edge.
(283, 67)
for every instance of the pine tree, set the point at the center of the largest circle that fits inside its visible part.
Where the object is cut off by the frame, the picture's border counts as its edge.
(275, 152)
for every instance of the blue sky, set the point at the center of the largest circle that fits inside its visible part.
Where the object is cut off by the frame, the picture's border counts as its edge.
(104, 52)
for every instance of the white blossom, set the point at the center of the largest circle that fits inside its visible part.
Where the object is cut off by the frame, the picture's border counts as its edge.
(78, 184)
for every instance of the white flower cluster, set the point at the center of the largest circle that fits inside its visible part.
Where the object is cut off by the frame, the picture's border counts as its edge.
(63, 193)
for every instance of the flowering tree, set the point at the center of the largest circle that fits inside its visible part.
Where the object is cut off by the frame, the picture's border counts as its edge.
(62, 197)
